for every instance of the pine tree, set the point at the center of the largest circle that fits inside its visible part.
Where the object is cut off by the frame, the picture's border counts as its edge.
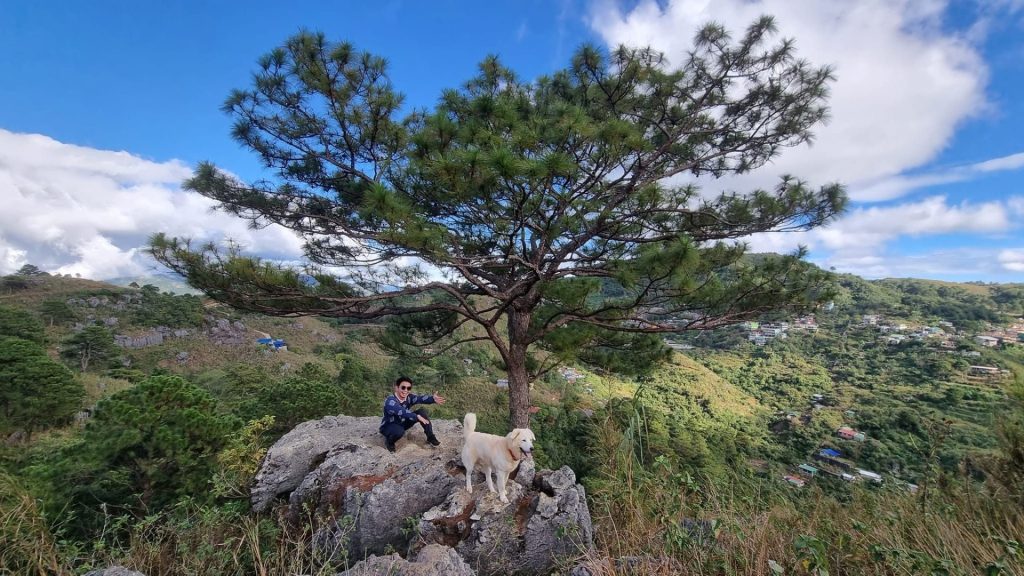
(30, 270)
(528, 197)
(143, 449)
(35, 391)
(88, 347)
(20, 324)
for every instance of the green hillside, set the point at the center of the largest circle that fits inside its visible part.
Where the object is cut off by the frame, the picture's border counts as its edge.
(711, 434)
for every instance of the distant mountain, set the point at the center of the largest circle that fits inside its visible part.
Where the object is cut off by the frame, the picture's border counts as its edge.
(165, 283)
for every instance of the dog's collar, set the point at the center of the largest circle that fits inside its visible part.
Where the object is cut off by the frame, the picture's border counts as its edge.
(513, 456)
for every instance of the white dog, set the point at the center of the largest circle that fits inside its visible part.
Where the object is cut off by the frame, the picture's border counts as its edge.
(492, 453)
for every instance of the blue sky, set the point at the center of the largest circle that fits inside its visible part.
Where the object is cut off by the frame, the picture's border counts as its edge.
(105, 106)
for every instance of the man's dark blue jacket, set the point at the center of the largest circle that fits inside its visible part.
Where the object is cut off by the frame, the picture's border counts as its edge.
(396, 411)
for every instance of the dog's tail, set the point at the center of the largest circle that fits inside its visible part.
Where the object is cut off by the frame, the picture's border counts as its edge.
(469, 423)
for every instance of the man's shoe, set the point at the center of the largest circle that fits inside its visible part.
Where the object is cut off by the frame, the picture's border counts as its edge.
(434, 441)
(389, 445)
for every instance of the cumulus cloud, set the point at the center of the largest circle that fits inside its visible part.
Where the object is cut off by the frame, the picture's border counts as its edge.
(1012, 260)
(905, 82)
(74, 209)
(896, 186)
(964, 263)
(857, 243)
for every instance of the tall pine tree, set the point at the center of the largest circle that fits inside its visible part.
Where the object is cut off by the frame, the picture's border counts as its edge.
(528, 197)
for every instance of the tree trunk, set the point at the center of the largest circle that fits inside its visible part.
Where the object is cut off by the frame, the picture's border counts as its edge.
(518, 378)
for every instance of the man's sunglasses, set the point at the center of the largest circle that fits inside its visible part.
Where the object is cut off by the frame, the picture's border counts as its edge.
(405, 387)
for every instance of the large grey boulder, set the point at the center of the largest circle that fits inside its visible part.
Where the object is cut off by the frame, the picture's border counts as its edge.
(361, 500)
(546, 521)
(432, 560)
(354, 444)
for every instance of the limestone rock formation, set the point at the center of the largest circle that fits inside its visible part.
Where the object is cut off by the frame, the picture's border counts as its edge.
(547, 520)
(362, 500)
(432, 560)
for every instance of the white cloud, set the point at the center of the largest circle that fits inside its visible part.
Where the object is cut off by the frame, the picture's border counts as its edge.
(1012, 260)
(896, 186)
(905, 82)
(522, 31)
(858, 242)
(74, 209)
(963, 264)
(931, 216)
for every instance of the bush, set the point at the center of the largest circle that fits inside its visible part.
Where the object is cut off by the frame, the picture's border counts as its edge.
(168, 309)
(35, 391)
(308, 395)
(20, 324)
(144, 449)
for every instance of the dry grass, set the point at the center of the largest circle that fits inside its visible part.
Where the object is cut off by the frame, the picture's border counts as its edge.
(26, 544)
(665, 522)
(877, 533)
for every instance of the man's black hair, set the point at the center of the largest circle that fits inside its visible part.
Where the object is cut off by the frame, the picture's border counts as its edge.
(403, 379)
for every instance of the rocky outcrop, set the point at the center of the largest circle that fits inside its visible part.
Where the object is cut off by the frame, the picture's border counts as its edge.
(154, 337)
(223, 331)
(547, 520)
(352, 445)
(362, 500)
(432, 560)
(142, 341)
(358, 496)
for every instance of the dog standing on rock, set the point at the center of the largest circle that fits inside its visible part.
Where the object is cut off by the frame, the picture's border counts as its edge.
(489, 453)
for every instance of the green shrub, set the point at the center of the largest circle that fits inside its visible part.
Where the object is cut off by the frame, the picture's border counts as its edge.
(171, 310)
(143, 450)
(35, 391)
(20, 324)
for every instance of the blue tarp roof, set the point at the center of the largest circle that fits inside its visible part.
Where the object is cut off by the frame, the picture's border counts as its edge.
(831, 452)
(264, 341)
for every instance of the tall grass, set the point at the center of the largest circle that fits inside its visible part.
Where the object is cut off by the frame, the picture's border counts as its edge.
(27, 547)
(663, 521)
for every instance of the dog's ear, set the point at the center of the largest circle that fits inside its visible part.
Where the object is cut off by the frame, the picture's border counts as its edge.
(514, 434)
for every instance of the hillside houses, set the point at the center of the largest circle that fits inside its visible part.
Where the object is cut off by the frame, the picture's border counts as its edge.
(761, 334)
(808, 323)
(571, 375)
(987, 341)
(847, 433)
(988, 372)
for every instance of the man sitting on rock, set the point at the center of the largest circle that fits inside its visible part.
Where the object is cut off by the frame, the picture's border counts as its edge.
(398, 417)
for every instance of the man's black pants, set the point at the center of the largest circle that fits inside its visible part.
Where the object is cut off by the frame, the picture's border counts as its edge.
(392, 431)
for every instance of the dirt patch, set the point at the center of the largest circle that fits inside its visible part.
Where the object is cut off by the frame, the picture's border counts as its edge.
(454, 469)
(455, 529)
(332, 496)
(525, 508)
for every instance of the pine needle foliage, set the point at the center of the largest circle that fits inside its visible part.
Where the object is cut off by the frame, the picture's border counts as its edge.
(526, 196)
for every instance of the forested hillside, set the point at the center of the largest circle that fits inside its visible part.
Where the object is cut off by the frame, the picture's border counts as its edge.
(884, 434)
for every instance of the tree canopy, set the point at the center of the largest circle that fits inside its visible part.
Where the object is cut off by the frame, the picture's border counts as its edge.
(144, 448)
(21, 324)
(35, 391)
(91, 346)
(526, 198)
